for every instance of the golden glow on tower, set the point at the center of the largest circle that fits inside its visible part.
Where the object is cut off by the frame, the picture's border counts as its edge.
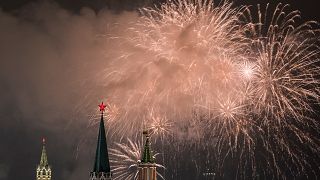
(43, 169)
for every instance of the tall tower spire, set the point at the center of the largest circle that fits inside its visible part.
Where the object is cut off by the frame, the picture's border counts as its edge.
(101, 168)
(147, 165)
(43, 169)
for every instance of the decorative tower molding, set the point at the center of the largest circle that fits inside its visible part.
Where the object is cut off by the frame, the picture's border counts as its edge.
(44, 169)
(147, 166)
(101, 169)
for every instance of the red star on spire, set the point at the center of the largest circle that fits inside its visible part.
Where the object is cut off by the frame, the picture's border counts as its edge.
(102, 107)
(44, 140)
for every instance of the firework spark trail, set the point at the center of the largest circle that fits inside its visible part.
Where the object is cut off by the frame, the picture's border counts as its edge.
(285, 64)
(160, 126)
(124, 159)
(286, 58)
(199, 69)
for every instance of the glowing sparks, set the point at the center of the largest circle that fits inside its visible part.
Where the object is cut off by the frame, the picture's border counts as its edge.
(112, 112)
(160, 126)
(252, 80)
(247, 70)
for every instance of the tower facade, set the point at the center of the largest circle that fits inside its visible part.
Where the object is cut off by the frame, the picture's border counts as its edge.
(101, 169)
(43, 169)
(147, 166)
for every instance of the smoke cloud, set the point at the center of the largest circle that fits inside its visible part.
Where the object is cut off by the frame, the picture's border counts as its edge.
(49, 58)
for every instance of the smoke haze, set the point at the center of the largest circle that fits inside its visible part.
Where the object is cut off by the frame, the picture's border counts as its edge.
(49, 58)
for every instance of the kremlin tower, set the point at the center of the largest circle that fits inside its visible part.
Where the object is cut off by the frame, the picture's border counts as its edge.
(43, 170)
(101, 169)
(147, 166)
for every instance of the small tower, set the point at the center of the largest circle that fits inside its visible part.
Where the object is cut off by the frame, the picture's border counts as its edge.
(43, 170)
(101, 169)
(147, 166)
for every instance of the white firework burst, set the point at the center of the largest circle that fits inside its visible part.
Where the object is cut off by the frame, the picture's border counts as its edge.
(124, 159)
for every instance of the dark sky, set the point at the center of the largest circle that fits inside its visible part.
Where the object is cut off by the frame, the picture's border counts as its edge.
(39, 96)
(309, 8)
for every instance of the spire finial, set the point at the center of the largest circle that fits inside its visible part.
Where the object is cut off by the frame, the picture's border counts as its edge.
(146, 133)
(102, 107)
(44, 158)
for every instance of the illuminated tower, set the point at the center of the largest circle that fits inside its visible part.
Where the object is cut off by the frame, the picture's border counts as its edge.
(147, 166)
(44, 170)
(101, 169)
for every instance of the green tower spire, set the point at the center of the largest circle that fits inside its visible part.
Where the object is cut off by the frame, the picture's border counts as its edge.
(147, 156)
(101, 163)
(101, 168)
(147, 168)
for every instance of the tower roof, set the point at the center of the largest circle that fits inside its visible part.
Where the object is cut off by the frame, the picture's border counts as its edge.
(101, 163)
(44, 158)
(147, 156)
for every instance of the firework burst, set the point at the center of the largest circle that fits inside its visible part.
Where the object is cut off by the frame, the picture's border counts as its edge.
(285, 85)
(159, 126)
(286, 57)
(185, 57)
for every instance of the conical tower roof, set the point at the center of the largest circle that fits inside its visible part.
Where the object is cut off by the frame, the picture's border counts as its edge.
(101, 163)
(44, 158)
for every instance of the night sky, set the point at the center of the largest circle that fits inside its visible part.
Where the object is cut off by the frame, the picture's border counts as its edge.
(46, 55)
